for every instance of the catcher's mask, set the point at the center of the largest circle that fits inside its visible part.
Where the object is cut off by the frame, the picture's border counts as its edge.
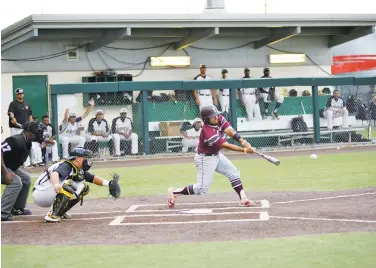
(86, 154)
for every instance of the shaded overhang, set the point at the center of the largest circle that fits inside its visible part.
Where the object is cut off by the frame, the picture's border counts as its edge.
(186, 29)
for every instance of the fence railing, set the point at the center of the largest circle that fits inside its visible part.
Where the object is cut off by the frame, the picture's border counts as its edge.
(165, 122)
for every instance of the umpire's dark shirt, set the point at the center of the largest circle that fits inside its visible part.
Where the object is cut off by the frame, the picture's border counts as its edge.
(21, 111)
(15, 150)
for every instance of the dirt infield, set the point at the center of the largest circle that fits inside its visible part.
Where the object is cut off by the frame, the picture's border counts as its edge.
(214, 217)
(107, 221)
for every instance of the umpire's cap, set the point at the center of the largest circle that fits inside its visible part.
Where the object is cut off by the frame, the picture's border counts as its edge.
(80, 152)
(209, 112)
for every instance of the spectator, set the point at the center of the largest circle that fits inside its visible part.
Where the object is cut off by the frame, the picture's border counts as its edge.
(50, 141)
(335, 108)
(98, 131)
(191, 136)
(122, 129)
(36, 151)
(268, 95)
(249, 97)
(19, 112)
(204, 97)
(69, 130)
(372, 110)
(224, 95)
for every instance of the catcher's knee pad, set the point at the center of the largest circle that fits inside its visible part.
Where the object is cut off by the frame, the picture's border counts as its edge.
(69, 188)
(85, 191)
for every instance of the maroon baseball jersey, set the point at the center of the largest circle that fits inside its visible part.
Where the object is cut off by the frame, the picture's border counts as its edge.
(212, 137)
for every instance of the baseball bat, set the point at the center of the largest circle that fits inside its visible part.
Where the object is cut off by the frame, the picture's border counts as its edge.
(269, 158)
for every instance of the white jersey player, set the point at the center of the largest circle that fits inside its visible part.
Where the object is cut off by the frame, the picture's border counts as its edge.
(224, 95)
(336, 107)
(191, 136)
(249, 98)
(204, 97)
(68, 134)
(98, 131)
(122, 129)
(50, 138)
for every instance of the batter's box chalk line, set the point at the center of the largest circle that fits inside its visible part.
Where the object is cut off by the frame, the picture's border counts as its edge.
(121, 220)
(322, 219)
(208, 205)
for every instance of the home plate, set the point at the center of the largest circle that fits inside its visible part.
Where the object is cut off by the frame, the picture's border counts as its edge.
(197, 211)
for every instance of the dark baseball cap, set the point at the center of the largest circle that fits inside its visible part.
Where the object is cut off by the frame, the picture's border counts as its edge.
(203, 66)
(246, 69)
(266, 69)
(224, 71)
(19, 91)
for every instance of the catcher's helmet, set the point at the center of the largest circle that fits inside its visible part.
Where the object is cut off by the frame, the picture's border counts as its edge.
(35, 128)
(209, 111)
(80, 152)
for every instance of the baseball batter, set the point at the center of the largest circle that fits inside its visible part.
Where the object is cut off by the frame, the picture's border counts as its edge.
(209, 159)
(122, 130)
(62, 186)
(69, 129)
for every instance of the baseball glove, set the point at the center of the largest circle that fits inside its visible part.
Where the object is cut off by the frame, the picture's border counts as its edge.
(114, 187)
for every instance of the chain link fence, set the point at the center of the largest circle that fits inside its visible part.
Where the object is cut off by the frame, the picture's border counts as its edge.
(280, 117)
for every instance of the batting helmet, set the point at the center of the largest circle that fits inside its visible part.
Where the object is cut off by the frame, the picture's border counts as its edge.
(209, 111)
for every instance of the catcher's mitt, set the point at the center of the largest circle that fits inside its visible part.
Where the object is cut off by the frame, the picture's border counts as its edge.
(114, 187)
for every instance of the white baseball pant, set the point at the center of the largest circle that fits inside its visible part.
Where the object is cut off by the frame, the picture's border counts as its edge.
(64, 140)
(225, 103)
(35, 153)
(330, 115)
(44, 195)
(278, 97)
(133, 137)
(189, 143)
(54, 151)
(252, 108)
(205, 100)
(90, 138)
(207, 165)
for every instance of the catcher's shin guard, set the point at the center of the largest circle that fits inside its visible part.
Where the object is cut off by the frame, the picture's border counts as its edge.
(74, 202)
(62, 199)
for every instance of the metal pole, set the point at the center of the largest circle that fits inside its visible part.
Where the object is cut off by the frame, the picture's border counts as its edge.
(316, 114)
(55, 119)
(145, 120)
(233, 117)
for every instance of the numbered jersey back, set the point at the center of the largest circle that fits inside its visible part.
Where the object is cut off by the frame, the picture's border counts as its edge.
(15, 151)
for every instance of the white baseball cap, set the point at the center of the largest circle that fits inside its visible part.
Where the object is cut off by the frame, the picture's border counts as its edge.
(197, 120)
(123, 110)
(72, 114)
(99, 111)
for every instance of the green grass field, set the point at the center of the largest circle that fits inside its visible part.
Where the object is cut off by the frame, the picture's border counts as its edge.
(355, 170)
(332, 250)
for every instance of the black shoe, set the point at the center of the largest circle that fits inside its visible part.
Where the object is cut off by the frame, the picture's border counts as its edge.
(20, 211)
(6, 217)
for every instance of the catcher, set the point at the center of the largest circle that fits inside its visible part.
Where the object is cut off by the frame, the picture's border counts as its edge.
(62, 186)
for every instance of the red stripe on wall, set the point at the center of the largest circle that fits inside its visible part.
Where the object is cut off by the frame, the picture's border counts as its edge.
(353, 63)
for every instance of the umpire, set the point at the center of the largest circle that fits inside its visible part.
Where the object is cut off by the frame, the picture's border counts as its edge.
(20, 110)
(14, 151)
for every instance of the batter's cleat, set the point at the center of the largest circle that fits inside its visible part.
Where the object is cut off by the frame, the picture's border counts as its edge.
(52, 218)
(247, 203)
(171, 199)
(66, 216)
